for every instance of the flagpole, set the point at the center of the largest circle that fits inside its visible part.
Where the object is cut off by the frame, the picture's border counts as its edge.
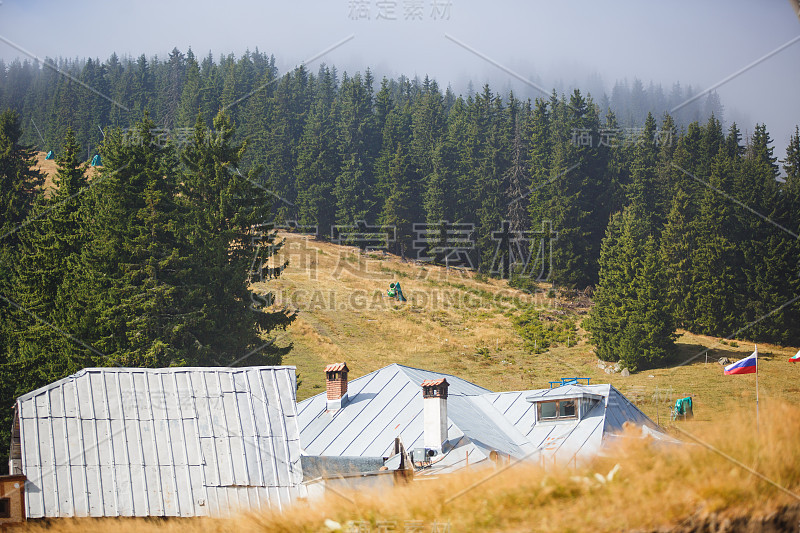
(756, 389)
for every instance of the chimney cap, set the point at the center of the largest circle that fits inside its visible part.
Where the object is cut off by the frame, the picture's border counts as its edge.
(337, 367)
(435, 388)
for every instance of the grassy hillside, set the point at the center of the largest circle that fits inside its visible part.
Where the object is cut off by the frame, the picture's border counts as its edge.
(458, 324)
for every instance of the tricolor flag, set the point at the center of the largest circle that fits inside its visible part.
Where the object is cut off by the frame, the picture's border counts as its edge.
(796, 357)
(748, 365)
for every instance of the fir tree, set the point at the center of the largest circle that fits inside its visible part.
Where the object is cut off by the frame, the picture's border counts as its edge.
(227, 230)
(631, 321)
(50, 247)
(20, 184)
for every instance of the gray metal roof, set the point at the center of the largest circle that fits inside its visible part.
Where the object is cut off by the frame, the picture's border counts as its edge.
(160, 442)
(387, 403)
(382, 405)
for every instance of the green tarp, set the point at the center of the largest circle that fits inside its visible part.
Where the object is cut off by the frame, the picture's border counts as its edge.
(396, 292)
(50, 155)
(96, 161)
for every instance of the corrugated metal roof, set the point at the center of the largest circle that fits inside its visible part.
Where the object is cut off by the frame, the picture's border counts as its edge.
(161, 442)
(387, 403)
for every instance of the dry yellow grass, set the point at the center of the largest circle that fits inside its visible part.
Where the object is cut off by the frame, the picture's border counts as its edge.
(689, 486)
(49, 168)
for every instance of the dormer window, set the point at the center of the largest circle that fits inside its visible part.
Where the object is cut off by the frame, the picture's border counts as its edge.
(565, 403)
(557, 410)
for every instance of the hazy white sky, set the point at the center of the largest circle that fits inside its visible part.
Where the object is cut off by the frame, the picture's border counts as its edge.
(694, 42)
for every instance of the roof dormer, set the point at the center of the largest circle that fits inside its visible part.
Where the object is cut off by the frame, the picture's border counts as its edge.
(564, 404)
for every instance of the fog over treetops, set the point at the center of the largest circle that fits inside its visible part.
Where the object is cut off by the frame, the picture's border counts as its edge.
(548, 44)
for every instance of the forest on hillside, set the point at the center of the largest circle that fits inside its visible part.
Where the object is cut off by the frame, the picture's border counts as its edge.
(672, 221)
(90, 95)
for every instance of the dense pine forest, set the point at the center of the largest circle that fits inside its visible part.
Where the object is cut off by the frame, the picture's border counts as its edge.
(672, 221)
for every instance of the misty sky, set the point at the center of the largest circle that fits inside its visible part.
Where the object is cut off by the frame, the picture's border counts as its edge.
(559, 43)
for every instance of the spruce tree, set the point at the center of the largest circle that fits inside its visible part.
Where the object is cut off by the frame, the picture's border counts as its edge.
(397, 211)
(571, 192)
(770, 247)
(353, 189)
(50, 247)
(318, 160)
(20, 184)
(679, 239)
(227, 229)
(125, 297)
(642, 189)
(631, 321)
(792, 162)
(20, 195)
(715, 276)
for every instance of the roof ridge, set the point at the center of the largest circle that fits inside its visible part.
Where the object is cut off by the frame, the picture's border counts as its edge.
(180, 368)
(440, 374)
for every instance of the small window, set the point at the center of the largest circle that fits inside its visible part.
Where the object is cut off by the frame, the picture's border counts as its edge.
(5, 507)
(557, 410)
(566, 409)
(548, 410)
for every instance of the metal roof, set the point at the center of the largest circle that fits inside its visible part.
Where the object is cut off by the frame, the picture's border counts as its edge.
(160, 442)
(388, 403)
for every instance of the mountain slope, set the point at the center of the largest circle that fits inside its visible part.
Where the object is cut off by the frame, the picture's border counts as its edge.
(455, 323)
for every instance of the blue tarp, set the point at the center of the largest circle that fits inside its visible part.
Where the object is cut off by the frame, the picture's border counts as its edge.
(50, 155)
(96, 161)
(683, 408)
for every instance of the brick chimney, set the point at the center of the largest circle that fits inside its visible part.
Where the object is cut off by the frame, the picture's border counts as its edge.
(336, 385)
(434, 401)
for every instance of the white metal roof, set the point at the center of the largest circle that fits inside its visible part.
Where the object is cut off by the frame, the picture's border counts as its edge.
(160, 442)
(388, 403)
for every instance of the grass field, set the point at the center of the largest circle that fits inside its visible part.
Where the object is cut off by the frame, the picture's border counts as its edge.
(457, 324)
